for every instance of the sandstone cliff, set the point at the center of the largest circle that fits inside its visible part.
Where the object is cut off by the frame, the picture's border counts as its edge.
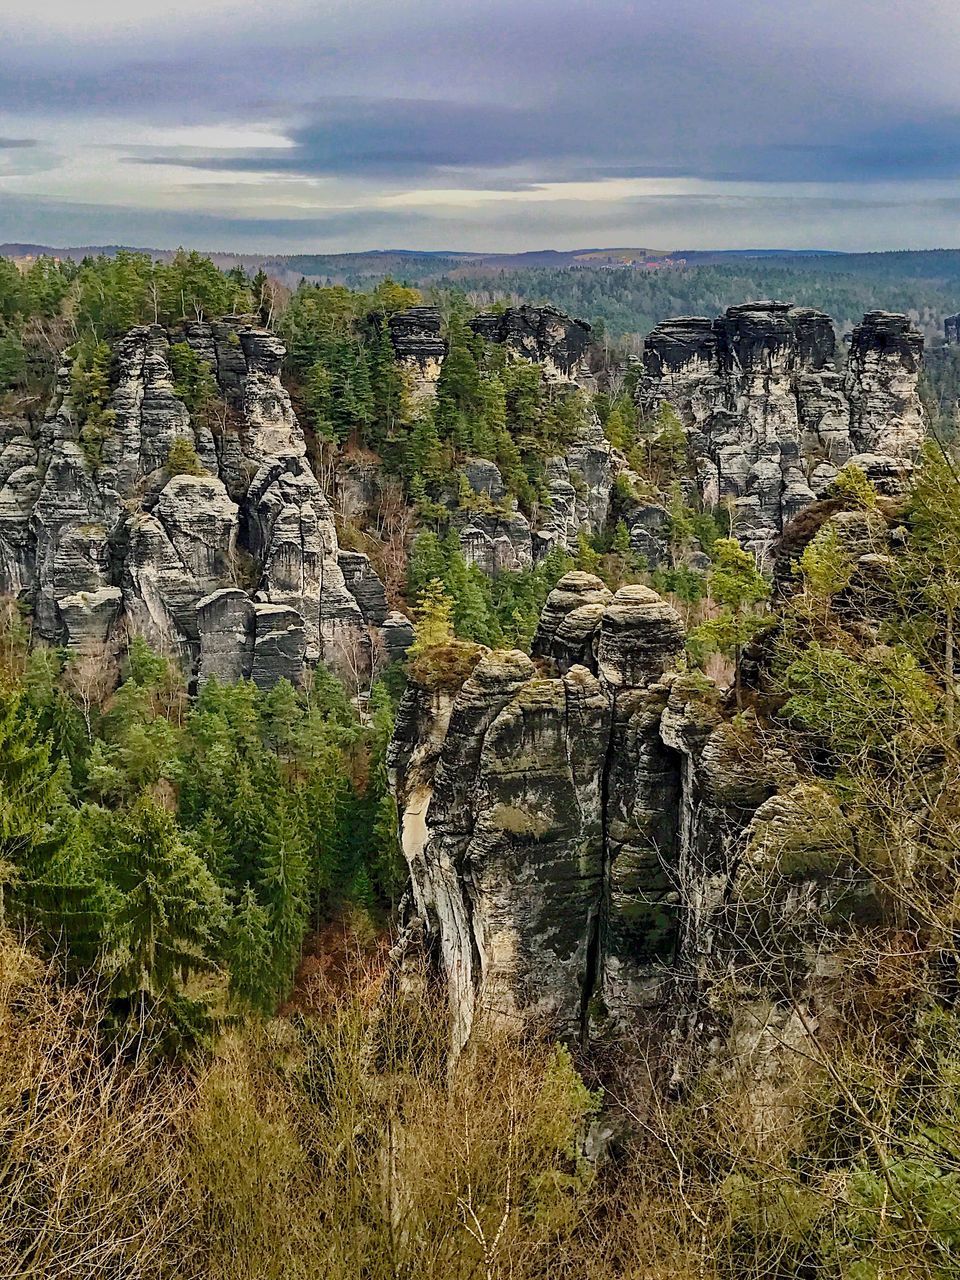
(236, 570)
(771, 416)
(580, 825)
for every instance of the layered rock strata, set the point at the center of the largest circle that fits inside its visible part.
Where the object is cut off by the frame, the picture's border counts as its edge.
(541, 334)
(545, 335)
(211, 567)
(535, 806)
(769, 417)
(583, 827)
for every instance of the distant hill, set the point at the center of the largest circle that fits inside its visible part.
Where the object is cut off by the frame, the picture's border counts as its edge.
(627, 289)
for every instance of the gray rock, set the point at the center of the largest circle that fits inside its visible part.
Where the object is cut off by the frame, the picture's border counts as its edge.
(398, 635)
(640, 635)
(279, 645)
(225, 621)
(88, 618)
(568, 626)
(483, 477)
(542, 334)
(419, 346)
(768, 417)
(364, 585)
(177, 555)
(648, 525)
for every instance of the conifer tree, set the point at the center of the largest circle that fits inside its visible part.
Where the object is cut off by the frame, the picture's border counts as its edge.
(284, 889)
(170, 909)
(434, 618)
(250, 955)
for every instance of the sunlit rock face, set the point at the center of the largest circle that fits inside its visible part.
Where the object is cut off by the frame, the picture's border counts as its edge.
(235, 570)
(769, 416)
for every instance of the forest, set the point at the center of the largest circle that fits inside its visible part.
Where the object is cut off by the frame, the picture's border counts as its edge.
(217, 1058)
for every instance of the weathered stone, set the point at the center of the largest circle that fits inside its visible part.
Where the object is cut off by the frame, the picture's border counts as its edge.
(398, 635)
(541, 334)
(568, 626)
(88, 618)
(494, 541)
(648, 525)
(364, 585)
(176, 556)
(279, 645)
(225, 620)
(770, 420)
(483, 477)
(84, 517)
(419, 346)
(640, 634)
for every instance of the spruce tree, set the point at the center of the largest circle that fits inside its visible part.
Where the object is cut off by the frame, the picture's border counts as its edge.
(249, 950)
(284, 890)
(170, 909)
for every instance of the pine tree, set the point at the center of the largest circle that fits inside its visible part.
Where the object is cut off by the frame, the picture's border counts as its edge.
(13, 360)
(465, 587)
(434, 618)
(249, 951)
(170, 908)
(34, 820)
(424, 455)
(284, 889)
(389, 407)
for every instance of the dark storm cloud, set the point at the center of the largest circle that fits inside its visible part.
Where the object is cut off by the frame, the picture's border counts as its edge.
(425, 140)
(17, 144)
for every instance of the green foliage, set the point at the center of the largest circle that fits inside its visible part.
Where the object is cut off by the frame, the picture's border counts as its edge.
(502, 610)
(856, 490)
(182, 459)
(193, 380)
(434, 615)
(859, 701)
(171, 844)
(825, 566)
(168, 907)
(738, 587)
(90, 392)
(13, 360)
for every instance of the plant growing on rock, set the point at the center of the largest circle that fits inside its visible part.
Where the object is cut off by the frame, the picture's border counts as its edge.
(737, 587)
(182, 459)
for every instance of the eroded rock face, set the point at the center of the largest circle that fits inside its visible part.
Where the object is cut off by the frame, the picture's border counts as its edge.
(519, 799)
(95, 530)
(419, 346)
(541, 334)
(770, 419)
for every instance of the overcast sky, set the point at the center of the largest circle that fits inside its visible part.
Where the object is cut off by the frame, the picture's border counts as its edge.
(321, 125)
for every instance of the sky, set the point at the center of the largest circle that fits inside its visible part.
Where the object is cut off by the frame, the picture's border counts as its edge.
(488, 125)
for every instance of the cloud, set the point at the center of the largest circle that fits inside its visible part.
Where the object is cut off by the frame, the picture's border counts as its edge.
(66, 223)
(371, 101)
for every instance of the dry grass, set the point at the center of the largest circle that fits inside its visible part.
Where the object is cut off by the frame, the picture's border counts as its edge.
(332, 1146)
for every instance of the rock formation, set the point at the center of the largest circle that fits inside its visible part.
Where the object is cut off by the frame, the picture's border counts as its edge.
(419, 346)
(770, 419)
(535, 806)
(580, 825)
(236, 570)
(542, 334)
